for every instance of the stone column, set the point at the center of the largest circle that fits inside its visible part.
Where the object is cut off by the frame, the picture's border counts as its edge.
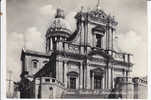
(57, 70)
(103, 82)
(93, 38)
(105, 79)
(68, 82)
(79, 77)
(51, 48)
(110, 39)
(77, 83)
(81, 80)
(92, 80)
(110, 78)
(113, 81)
(88, 78)
(65, 73)
(85, 76)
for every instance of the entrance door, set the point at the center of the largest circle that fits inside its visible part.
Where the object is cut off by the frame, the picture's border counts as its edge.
(72, 83)
(97, 82)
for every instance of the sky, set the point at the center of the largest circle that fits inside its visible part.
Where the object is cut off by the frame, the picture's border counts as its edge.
(28, 20)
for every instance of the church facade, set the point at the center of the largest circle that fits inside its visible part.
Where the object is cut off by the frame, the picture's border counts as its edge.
(78, 63)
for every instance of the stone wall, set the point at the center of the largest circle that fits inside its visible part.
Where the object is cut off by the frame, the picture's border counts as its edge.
(132, 88)
(140, 88)
(48, 88)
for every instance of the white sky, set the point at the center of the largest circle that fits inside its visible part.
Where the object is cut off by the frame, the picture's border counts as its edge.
(30, 19)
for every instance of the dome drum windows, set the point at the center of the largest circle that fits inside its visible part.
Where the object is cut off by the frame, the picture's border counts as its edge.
(49, 45)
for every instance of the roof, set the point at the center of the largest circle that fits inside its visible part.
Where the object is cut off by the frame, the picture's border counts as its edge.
(48, 69)
(35, 53)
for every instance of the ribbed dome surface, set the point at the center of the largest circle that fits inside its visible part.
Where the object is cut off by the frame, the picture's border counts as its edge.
(59, 26)
(59, 23)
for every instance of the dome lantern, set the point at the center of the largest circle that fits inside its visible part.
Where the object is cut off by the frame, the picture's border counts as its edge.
(60, 13)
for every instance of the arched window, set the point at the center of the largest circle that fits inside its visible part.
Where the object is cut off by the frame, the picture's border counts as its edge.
(99, 40)
(34, 63)
(48, 43)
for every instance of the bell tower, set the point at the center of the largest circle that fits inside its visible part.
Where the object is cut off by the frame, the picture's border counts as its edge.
(104, 26)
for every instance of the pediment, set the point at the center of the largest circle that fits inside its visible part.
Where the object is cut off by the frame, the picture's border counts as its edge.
(72, 73)
(98, 14)
(98, 71)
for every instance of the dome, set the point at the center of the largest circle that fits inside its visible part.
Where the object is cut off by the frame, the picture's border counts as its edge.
(59, 23)
(59, 26)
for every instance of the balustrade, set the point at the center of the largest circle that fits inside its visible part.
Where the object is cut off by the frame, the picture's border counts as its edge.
(52, 81)
(67, 47)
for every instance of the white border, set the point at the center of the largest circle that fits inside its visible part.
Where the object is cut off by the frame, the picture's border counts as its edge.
(149, 49)
(3, 50)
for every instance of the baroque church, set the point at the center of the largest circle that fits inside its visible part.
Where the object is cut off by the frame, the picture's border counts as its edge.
(77, 64)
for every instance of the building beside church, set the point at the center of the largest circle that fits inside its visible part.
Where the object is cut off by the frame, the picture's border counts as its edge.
(77, 64)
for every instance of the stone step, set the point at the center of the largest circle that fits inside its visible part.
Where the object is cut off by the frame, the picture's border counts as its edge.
(85, 94)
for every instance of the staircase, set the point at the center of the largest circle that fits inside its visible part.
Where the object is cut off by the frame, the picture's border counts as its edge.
(86, 93)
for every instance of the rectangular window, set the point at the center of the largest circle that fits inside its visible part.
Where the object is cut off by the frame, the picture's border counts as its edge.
(47, 80)
(99, 40)
(53, 80)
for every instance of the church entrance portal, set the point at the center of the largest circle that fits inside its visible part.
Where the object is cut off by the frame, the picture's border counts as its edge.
(72, 83)
(72, 80)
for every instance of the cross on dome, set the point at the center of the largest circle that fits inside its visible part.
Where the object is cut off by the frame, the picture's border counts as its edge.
(98, 5)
